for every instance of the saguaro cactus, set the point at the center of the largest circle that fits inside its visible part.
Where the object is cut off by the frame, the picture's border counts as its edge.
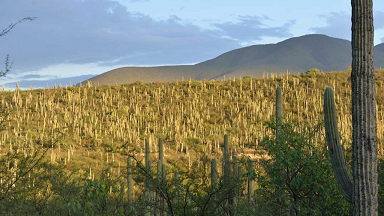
(227, 173)
(334, 146)
(250, 181)
(129, 181)
(161, 176)
(161, 150)
(235, 176)
(147, 180)
(362, 192)
(226, 163)
(279, 111)
(214, 174)
(278, 132)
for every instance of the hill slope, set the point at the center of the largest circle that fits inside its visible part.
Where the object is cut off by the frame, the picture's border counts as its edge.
(295, 55)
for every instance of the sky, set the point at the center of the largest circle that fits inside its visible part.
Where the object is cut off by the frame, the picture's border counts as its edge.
(78, 39)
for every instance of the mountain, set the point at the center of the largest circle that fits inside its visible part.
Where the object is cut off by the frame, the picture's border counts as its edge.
(379, 56)
(296, 55)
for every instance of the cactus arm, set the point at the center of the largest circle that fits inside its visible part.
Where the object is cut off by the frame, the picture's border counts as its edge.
(334, 146)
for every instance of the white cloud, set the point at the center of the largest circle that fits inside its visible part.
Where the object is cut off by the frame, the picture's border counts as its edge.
(339, 25)
(252, 28)
(90, 31)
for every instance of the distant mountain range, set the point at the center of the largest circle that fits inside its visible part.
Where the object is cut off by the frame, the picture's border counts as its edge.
(296, 55)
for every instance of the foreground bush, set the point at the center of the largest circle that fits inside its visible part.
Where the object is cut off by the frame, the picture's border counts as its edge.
(298, 177)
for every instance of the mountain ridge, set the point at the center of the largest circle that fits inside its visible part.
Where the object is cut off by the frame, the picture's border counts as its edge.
(296, 54)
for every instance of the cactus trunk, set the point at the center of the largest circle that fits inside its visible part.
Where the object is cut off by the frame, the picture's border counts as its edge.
(364, 143)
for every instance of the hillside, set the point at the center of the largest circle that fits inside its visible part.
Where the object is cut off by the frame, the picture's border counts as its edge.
(86, 133)
(379, 56)
(295, 55)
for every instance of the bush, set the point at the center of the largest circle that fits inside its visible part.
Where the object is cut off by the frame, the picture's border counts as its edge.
(313, 71)
(298, 177)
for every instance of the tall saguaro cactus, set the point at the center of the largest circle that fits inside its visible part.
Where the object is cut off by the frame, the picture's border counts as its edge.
(250, 181)
(227, 173)
(161, 150)
(161, 176)
(362, 191)
(129, 181)
(214, 174)
(278, 133)
(148, 168)
(279, 111)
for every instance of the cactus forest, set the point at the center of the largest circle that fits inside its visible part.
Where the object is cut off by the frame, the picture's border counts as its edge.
(246, 146)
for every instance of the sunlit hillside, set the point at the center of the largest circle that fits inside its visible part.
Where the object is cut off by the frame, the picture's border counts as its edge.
(90, 130)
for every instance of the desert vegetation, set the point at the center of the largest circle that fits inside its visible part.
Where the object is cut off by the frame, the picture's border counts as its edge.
(210, 147)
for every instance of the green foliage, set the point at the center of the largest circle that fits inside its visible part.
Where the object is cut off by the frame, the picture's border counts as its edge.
(313, 71)
(307, 186)
(92, 198)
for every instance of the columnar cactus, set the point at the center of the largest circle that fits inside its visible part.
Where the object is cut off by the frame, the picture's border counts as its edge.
(159, 179)
(148, 163)
(161, 176)
(164, 174)
(227, 172)
(147, 180)
(179, 189)
(214, 174)
(161, 150)
(226, 162)
(235, 176)
(250, 181)
(279, 112)
(129, 181)
(334, 146)
(122, 191)
(159, 170)
(278, 131)
(362, 191)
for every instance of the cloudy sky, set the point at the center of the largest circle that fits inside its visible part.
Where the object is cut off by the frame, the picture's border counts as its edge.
(76, 39)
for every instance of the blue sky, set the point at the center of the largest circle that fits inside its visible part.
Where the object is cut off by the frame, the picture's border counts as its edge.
(73, 38)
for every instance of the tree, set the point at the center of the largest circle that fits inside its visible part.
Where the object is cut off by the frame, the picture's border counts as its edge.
(298, 176)
(5, 31)
(362, 191)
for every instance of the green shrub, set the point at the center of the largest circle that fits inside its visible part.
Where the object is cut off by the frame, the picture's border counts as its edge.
(298, 176)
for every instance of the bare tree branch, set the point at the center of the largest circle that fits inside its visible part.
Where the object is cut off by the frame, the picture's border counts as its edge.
(8, 65)
(12, 25)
